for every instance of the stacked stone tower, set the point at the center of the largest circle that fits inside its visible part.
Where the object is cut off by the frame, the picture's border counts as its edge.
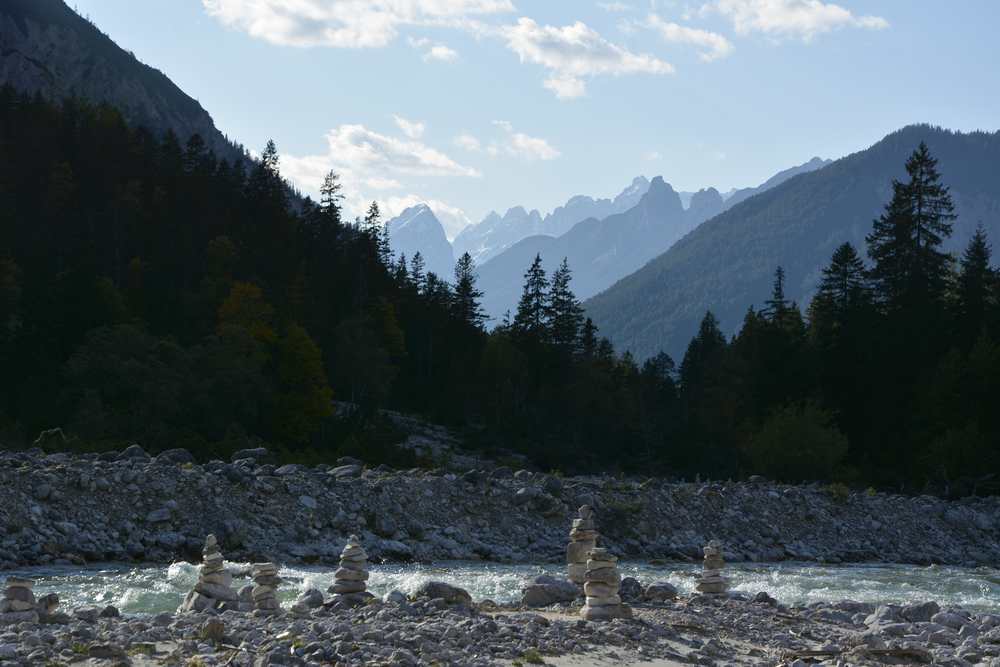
(602, 586)
(350, 579)
(214, 588)
(711, 581)
(582, 539)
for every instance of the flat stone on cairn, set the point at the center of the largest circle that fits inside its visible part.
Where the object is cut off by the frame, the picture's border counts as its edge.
(265, 586)
(582, 539)
(214, 588)
(18, 604)
(711, 581)
(601, 587)
(351, 577)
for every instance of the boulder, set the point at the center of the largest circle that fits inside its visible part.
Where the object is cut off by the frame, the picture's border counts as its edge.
(546, 590)
(132, 452)
(255, 454)
(920, 613)
(438, 590)
(660, 591)
(175, 456)
(345, 471)
(630, 589)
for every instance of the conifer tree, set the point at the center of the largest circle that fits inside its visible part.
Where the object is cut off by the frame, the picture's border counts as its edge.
(402, 273)
(331, 196)
(777, 305)
(417, 275)
(588, 338)
(844, 283)
(529, 319)
(466, 296)
(563, 312)
(910, 268)
(974, 289)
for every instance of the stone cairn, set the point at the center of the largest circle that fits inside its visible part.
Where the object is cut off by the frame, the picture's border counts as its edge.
(214, 588)
(602, 586)
(350, 579)
(265, 587)
(711, 580)
(582, 539)
(19, 604)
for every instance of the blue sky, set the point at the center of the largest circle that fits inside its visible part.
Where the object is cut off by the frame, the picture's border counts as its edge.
(476, 105)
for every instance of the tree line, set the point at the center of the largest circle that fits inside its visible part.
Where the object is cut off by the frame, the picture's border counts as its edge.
(152, 292)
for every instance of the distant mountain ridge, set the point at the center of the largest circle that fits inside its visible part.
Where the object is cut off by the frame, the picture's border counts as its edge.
(496, 233)
(601, 251)
(46, 47)
(726, 264)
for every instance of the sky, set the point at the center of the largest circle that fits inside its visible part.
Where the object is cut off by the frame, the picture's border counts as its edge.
(479, 105)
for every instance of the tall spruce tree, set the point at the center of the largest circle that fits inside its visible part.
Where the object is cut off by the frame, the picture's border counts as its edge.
(563, 312)
(974, 288)
(418, 274)
(466, 296)
(330, 196)
(529, 319)
(777, 306)
(911, 270)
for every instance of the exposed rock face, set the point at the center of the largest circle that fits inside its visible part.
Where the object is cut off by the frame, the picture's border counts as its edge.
(46, 47)
(95, 509)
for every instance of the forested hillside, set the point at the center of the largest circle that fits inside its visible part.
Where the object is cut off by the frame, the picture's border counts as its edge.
(726, 263)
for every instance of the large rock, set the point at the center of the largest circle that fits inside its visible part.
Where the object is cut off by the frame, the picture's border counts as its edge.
(660, 591)
(438, 590)
(175, 456)
(545, 591)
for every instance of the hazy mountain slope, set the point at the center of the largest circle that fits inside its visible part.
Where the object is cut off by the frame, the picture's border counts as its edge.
(727, 263)
(737, 196)
(494, 233)
(417, 229)
(46, 47)
(599, 251)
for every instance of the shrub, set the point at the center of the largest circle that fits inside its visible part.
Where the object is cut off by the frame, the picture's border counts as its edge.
(797, 442)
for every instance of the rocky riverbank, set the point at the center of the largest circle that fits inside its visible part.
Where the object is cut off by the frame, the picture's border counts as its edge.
(429, 630)
(122, 506)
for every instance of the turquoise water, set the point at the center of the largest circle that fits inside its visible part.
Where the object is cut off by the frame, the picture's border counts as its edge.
(153, 589)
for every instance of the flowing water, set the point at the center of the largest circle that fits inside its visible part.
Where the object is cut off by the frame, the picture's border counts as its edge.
(154, 589)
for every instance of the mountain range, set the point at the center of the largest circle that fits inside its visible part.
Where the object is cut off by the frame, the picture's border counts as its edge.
(727, 263)
(46, 47)
(496, 233)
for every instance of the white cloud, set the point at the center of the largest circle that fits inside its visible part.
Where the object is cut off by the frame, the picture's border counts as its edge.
(573, 52)
(468, 142)
(452, 218)
(653, 156)
(344, 23)
(523, 146)
(414, 129)
(803, 19)
(369, 161)
(434, 50)
(712, 45)
(615, 7)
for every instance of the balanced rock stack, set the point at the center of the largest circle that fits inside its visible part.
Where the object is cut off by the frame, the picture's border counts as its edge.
(711, 580)
(265, 587)
(18, 604)
(214, 588)
(602, 588)
(350, 579)
(582, 539)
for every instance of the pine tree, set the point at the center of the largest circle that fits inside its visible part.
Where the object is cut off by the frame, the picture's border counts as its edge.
(466, 296)
(529, 319)
(588, 338)
(702, 350)
(777, 306)
(563, 312)
(331, 196)
(402, 274)
(974, 287)
(910, 269)
(417, 275)
(844, 284)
